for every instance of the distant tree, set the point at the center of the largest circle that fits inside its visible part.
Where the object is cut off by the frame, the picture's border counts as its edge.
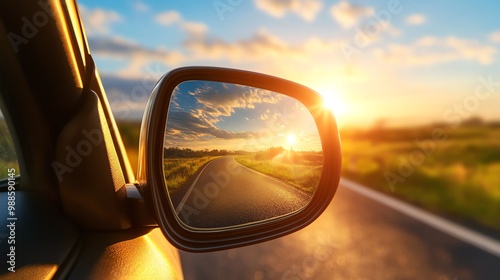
(377, 132)
(176, 152)
(473, 121)
(494, 124)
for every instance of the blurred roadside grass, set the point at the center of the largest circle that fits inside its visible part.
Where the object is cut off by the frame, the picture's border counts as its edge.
(459, 178)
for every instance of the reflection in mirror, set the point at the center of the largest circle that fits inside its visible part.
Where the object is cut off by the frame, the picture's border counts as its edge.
(236, 154)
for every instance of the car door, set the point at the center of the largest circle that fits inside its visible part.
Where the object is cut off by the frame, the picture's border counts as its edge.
(68, 213)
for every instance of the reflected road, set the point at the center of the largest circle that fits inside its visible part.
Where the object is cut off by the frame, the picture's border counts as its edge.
(225, 193)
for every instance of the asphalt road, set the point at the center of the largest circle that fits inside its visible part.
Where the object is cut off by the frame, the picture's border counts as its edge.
(355, 238)
(225, 193)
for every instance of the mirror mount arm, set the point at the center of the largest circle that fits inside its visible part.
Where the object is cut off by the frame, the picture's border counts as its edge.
(139, 212)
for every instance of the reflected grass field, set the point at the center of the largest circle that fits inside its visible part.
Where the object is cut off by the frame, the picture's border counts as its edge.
(178, 170)
(458, 176)
(303, 171)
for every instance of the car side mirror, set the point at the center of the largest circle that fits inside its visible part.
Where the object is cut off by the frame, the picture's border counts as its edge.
(229, 158)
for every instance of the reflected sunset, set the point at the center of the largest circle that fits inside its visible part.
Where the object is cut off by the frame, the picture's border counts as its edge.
(222, 116)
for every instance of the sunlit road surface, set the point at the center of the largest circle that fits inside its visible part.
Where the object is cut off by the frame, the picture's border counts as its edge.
(355, 238)
(226, 193)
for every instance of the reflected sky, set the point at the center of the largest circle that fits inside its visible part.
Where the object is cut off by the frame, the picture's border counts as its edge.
(214, 115)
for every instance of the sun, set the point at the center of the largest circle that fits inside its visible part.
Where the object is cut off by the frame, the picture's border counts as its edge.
(334, 103)
(329, 101)
(290, 139)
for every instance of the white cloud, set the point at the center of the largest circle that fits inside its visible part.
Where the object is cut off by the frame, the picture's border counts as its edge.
(136, 55)
(175, 18)
(495, 36)
(259, 49)
(99, 21)
(434, 50)
(416, 19)
(141, 6)
(194, 28)
(262, 45)
(392, 30)
(168, 18)
(348, 15)
(307, 9)
(120, 47)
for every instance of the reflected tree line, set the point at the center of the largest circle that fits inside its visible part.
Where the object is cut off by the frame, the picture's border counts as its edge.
(177, 152)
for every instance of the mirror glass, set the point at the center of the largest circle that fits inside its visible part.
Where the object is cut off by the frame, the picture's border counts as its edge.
(236, 154)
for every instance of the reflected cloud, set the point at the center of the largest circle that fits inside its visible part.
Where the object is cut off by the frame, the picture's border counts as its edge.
(187, 126)
(222, 99)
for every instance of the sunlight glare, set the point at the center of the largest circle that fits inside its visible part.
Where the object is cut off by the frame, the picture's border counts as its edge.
(332, 102)
(290, 141)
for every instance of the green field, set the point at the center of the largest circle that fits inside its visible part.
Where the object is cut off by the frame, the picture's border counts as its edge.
(456, 174)
(299, 169)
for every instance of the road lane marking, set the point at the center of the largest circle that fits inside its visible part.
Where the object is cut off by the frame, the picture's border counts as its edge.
(464, 234)
(186, 196)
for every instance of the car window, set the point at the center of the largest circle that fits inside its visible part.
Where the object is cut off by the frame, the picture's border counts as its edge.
(9, 166)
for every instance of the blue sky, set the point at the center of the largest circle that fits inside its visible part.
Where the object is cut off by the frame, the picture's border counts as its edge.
(407, 62)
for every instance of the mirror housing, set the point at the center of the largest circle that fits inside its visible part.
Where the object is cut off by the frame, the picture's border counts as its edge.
(152, 182)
